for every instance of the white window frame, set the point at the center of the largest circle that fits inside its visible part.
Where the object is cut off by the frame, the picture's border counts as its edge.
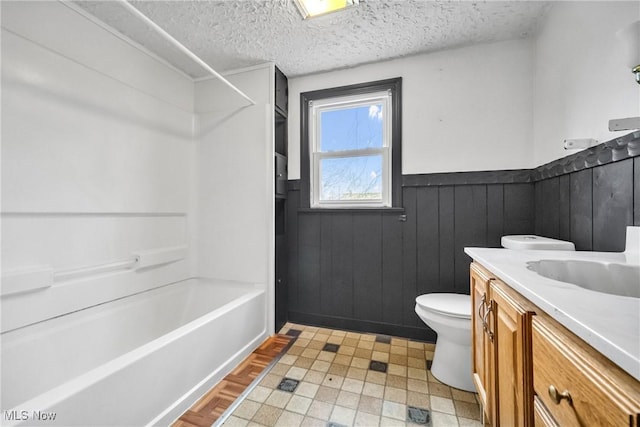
(316, 107)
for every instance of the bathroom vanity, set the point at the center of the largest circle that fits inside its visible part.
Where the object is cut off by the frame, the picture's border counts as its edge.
(551, 353)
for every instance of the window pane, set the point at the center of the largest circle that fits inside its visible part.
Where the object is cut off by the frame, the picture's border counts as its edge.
(351, 178)
(351, 128)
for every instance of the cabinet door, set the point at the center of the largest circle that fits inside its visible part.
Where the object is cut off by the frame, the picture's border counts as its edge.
(510, 325)
(482, 349)
(577, 385)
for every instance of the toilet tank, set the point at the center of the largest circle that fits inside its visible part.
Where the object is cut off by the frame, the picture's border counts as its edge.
(529, 241)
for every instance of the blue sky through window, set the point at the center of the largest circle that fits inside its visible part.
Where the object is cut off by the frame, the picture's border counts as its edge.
(352, 128)
(355, 177)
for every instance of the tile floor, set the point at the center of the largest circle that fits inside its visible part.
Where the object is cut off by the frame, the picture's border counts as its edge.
(331, 378)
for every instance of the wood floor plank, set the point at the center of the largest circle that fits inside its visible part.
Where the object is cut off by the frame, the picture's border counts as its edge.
(213, 404)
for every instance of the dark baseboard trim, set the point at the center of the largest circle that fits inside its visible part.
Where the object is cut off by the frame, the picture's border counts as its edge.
(420, 334)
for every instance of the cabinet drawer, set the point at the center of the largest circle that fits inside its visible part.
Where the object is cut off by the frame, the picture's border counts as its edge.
(566, 363)
(541, 416)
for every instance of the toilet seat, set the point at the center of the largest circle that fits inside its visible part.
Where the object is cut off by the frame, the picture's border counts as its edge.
(453, 305)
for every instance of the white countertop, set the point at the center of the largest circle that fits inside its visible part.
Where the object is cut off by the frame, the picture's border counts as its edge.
(609, 323)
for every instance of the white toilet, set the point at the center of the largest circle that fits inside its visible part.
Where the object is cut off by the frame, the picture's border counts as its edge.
(449, 315)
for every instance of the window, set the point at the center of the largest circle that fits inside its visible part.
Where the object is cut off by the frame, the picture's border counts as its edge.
(352, 141)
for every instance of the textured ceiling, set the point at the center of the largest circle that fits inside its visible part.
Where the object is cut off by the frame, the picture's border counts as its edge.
(230, 34)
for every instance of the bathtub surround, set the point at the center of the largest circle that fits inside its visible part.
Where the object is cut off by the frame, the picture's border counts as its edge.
(363, 270)
(109, 152)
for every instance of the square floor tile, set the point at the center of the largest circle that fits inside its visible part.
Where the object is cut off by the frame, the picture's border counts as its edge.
(307, 389)
(357, 373)
(290, 419)
(259, 394)
(267, 415)
(440, 404)
(394, 410)
(353, 385)
(364, 419)
(348, 399)
(374, 365)
(320, 410)
(288, 385)
(370, 405)
(296, 373)
(294, 332)
(418, 416)
(385, 339)
(342, 415)
(278, 398)
(373, 390)
(380, 356)
(299, 404)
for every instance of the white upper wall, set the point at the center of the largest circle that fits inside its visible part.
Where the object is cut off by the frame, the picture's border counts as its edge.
(581, 80)
(466, 109)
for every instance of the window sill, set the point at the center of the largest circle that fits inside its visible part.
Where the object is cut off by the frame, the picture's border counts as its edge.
(393, 210)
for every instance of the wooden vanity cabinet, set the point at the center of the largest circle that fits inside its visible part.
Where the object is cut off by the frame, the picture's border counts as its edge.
(482, 348)
(501, 350)
(575, 385)
(526, 365)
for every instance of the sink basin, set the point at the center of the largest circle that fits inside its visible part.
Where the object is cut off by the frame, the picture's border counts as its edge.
(610, 278)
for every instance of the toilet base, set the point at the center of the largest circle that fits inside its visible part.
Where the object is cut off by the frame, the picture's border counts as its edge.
(452, 364)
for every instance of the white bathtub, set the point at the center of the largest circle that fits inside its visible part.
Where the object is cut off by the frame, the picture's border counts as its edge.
(139, 360)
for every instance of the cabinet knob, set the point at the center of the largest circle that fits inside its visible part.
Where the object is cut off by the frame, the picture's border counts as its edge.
(557, 397)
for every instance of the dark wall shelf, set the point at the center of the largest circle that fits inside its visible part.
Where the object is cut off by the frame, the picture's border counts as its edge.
(280, 195)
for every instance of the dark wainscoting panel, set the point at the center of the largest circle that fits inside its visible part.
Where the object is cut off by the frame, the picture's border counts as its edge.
(636, 191)
(591, 207)
(363, 270)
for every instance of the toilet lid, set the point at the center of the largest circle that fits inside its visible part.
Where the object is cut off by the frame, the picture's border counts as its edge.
(455, 305)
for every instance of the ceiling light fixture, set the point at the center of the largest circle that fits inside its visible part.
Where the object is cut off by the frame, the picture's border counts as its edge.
(311, 8)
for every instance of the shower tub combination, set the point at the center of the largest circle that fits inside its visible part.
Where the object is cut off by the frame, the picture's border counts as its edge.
(138, 360)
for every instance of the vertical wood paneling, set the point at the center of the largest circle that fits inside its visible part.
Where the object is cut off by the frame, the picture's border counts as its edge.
(427, 245)
(581, 209)
(292, 247)
(564, 232)
(392, 269)
(636, 191)
(470, 229)
(409, 234)
(341, 265)
(326, 269)
(548, 207)
(367, 266)
(612, 205)
(539, 209)
(519, 208)
(446, 238)
(495, 215)
(309, 259)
